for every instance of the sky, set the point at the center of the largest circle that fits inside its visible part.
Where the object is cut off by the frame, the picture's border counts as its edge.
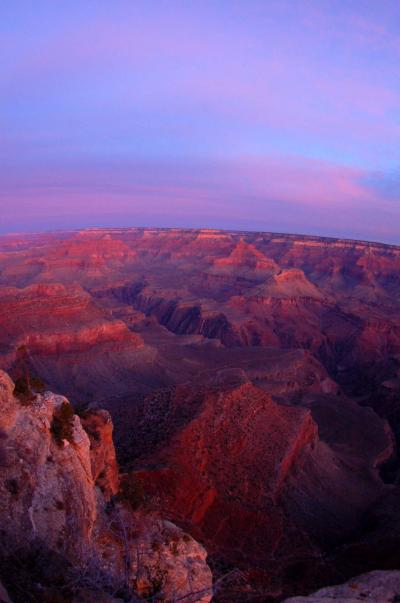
(275, 115)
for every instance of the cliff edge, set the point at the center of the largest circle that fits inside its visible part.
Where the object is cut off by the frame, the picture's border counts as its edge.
(68, 532)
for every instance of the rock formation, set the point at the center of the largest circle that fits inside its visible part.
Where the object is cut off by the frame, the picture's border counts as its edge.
(59, 500)
(378, 586)
(264, 484)
(253, 380)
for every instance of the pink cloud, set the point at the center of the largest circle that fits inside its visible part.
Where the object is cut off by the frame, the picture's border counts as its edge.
(215, 185)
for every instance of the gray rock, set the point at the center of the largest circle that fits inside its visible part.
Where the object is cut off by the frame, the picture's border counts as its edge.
(377, 587)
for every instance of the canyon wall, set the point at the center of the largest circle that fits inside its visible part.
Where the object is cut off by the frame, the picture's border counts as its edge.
(66, 527)
(253, 381)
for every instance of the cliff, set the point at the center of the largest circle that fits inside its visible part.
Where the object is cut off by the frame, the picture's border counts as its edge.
(264, 484)
(60, 505)
(184, 336)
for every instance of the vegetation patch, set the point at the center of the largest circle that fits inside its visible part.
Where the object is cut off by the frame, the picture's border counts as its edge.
(23, 391)
(131, 492)
(27, 387)
(62, 425)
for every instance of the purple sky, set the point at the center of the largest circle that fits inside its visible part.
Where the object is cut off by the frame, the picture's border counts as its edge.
(250, 114)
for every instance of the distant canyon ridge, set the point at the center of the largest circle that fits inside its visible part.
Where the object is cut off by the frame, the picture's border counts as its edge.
(253, 380)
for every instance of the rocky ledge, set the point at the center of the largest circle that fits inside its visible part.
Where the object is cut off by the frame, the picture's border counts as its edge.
(69, 532)
(376, 587)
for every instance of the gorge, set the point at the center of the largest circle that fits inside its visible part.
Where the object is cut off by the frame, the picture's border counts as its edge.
(253, 381)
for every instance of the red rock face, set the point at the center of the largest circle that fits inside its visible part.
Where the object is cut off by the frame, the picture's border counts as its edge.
(246, 257)
(99, 427)
(245, 446)
(61, 330)
(237, 368)
(263, 484)
(59, 529)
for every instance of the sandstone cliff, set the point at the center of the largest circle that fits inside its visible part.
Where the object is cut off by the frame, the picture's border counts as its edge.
(132, 319)
(59, 503)
(264, 484)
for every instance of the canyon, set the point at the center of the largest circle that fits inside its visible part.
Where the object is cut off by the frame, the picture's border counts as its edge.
(253, 384)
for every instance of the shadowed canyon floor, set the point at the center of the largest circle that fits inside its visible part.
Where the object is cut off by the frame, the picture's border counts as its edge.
(253, 380)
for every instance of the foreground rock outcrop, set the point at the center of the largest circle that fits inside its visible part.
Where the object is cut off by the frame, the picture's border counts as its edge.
(4, 598)
(59, 503)
(377, 587)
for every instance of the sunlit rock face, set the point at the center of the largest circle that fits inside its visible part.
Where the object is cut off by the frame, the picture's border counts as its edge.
(45, 486)
(98, 425)
(253, 381)
(264, 484)
(59, 502)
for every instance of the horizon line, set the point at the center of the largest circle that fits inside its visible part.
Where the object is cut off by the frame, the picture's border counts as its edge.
(202, 229)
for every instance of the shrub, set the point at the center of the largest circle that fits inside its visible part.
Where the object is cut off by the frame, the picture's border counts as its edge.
(62, 425)
(26, 388)
(131, 492)
(82, 409)
(37, 384)
(23, 392)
